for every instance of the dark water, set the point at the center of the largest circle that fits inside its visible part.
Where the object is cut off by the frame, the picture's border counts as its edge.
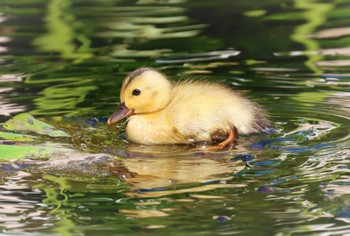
(64, 60)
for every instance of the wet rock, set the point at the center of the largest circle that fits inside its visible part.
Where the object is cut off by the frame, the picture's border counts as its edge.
(244, 157)
(264, 189)
(222, 218)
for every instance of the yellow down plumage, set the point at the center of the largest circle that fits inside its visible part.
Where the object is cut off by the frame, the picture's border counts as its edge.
(163, 112)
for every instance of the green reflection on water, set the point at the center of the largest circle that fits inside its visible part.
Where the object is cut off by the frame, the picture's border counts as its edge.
(62, 98)
(315, 15)
(61, 34)
(311, 98)
(62, 207)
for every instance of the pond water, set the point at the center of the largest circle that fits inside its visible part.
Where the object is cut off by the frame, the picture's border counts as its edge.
(63, 62)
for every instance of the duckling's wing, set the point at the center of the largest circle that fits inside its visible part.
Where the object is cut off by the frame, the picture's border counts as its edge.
(203, 111)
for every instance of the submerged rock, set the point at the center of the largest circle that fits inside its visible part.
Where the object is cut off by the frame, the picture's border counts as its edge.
(80, 164)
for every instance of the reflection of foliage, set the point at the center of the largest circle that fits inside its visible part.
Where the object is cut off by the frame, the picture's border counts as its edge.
(64, 98)
(311, 98)
(61, 34)
(139, 25)
(59, 200)
(315, 16)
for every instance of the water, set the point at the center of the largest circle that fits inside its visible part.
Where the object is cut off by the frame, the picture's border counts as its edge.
(63, 61)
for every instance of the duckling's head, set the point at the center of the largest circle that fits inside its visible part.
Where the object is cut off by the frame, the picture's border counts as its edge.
(143, 91)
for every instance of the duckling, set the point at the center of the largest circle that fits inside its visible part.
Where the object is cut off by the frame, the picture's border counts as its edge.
(163, 112)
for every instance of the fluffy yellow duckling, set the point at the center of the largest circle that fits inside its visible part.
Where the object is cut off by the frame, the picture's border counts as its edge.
(162, 112)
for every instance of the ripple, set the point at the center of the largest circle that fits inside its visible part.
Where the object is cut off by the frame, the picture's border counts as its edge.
(200, 57)
(8, 108)
(18, 203)
(143, 213)
(330, 81)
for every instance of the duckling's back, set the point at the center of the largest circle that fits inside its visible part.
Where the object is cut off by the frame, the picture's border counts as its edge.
(202, 110)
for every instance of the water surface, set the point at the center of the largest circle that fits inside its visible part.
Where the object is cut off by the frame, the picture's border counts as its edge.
(63, 61)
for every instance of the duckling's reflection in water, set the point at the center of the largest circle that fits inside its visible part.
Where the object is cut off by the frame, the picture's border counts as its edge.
(154, 171)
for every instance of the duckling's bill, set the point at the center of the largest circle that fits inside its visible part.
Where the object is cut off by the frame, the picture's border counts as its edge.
(121, 113)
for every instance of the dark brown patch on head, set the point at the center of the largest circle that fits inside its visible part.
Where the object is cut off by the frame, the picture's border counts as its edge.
(138, 72)
(134, 74)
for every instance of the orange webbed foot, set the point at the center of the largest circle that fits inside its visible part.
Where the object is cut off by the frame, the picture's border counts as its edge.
(228, 142)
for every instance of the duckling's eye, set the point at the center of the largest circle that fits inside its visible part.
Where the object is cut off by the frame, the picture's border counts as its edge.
(136, 92)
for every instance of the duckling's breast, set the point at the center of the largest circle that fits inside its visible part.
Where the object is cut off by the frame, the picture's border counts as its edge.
(155, 128)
